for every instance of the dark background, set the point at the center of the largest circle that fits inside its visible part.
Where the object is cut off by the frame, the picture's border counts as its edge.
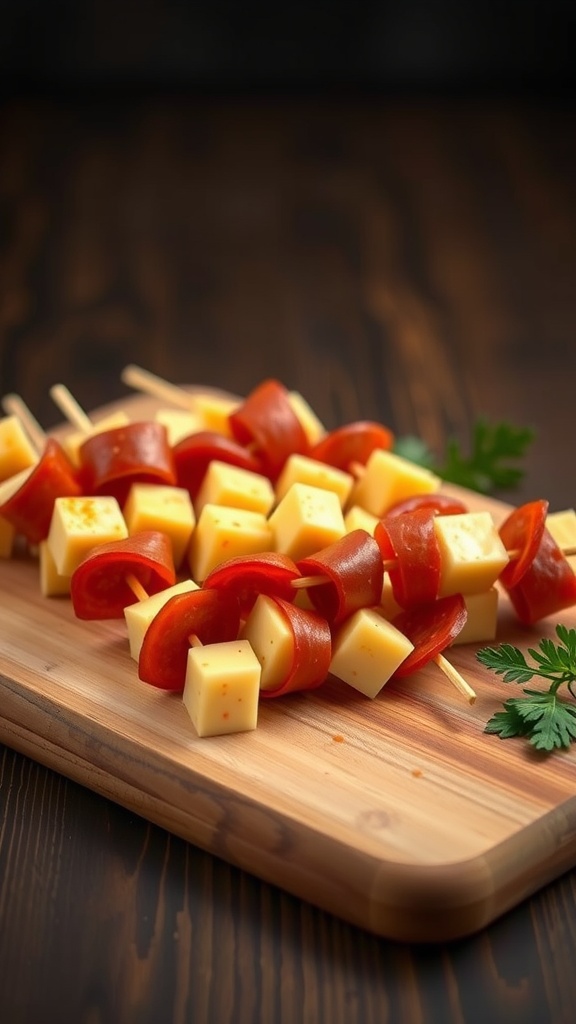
(518, 44)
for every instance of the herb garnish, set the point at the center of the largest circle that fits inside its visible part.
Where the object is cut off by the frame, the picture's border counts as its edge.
(487, 468)
(543, 717)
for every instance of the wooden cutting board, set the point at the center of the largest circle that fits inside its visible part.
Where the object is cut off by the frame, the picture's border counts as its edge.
(399, 814)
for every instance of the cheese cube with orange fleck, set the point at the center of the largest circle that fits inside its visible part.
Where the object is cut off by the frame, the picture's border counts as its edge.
(367, 650)
(139, 615)
(472, 553)
(222, 688)
(305, 520)
(213, 410)
(236, 487)
(388, 478)
(272, 640)
(161, 507)
(304, 470)
(357, 518)
(222, 533)
(52, 584)
(17, 452)
(7, 535)
(79, 524)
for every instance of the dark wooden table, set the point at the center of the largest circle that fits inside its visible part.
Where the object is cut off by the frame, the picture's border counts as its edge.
(410, 260)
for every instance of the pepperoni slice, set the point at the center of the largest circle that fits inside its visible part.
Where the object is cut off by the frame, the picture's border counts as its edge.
(247, 576)
(353, 565)
(431, 628)
(410, 541)
(192, 456)
(99, 587)
(441, 504)
(521, 533)
(311, 650)
(267, 422)
(548, 585)
(352, 443)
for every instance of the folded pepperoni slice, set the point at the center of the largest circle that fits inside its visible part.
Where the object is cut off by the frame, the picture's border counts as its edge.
(114, 459)
(192, 456)
(441, 504)
(409, 541)
(521, 533)
(267, 423)
(30, 508)
(546, 587)
(431, 628)
(354, 575)
(306, 667)
(100, 586)
(204, 616)
(352, 443)
(247, 576)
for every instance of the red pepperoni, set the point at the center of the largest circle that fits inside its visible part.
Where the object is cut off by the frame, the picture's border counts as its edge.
(431, 628)
(410, 541)
(311, 652)
(354, 567)
(247, 576)
(352, 443)
(521, 533)
(99, 587)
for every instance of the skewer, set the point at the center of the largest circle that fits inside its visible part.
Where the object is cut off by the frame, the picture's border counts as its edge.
(68, 405)
(454, 677)
(14, 405)
(150, 384)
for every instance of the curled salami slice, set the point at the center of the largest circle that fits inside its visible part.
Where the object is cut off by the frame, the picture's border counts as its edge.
(521, 533)
(548, 585)
(354, 571)
(267, 422)
(352, 443)
(306, 665)
(431, 628)
(114, 459)
(409, 541)
(193, 454)
(441, 504)
(247, 576)
(29, 509)
(100, 588)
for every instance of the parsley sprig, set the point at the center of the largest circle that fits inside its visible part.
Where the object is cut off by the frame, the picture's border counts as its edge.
(488, 467)
(543, 717)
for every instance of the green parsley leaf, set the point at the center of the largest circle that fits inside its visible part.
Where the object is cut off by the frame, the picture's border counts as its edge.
(545, 719)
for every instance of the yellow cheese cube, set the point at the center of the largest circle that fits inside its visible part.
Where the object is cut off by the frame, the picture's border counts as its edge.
(9, 487)
(357, 518)
(305, 520)
(236, 487)
(389, 478)
(222, 533)
(388, 606)
(139, 615)
(52, 584)
(311, 425)
(367, 650)
(16, 450)
(222, 688)
(7, 535)
(78, 525)
(482, 621)
(213, 410)
(272, 641)
(161, 507)
(473, 556)
(562, 526)
(179, 424)
(74, 440)
(303, 470)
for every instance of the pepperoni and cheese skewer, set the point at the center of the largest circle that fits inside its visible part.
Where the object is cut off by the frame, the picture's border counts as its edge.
(112, 460)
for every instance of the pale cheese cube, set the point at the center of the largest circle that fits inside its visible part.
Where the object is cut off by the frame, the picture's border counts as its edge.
(222, 688)
(388, 478)
(16, 450)
(482, 618)
(309, 421)
(79, 524)
(52, 584)
(303, 470)
(357, 518)
(305, 520)
(222, 533)
(7, 536)
(179, 424)
(139, 615)
(236, 487)
(213, 411)
(73, 441)
(562, 527)
(388, 606)
(367, 650)
(272, 641)
(472, 553)
(9, 487)
(161, 507)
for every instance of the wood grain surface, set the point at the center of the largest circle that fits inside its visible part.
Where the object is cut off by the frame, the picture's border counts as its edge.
(407, 260)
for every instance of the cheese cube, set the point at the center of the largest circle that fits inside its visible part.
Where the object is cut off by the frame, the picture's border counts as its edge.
(7, 535)
(303, 470)
(482, 621)
(311, 425)
(272, 641)
(179, 424)
(161, 507)
(222, 533)
(562, 526)
(139, 615)
(78, 525)
(52, 584)
(16, 450)
(367, 650)
(305, 520)
(9, 487)
(222, 688)
(74, 440)
(389, 478)
(357, 518)
(473, 556)
(236, 487)
(213, 410)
